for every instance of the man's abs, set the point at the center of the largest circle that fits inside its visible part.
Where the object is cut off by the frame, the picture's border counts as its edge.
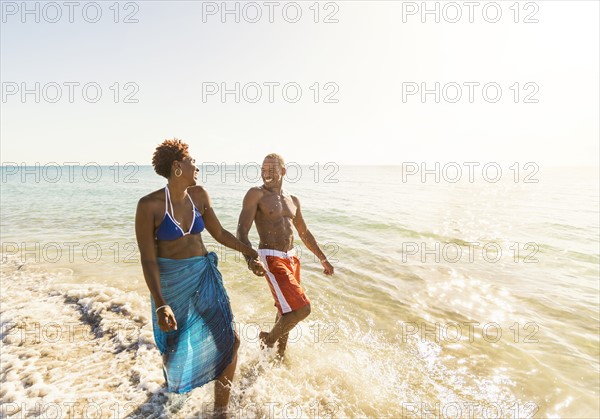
(275, 235)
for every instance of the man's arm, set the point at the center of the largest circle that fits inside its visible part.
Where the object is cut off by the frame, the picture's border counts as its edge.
(249, 209)
(308, 239)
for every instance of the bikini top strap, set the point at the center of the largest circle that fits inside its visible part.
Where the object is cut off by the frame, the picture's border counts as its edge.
(168, 197)
(193, 205)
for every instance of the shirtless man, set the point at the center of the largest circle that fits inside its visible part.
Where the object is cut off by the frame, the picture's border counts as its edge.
(274, 212)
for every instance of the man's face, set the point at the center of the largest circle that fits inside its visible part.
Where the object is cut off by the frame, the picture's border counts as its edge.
(272, 172)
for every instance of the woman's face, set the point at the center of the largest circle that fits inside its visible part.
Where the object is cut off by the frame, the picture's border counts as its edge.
(189, 171)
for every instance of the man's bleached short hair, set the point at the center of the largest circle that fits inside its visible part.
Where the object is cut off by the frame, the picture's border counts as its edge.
(277, 157)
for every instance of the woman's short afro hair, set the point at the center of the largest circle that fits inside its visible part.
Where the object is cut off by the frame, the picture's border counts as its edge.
(166, 153)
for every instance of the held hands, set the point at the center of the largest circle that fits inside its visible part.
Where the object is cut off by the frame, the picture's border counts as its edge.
(327, 267)
(256, 266)
(254, 263)
(166, 319)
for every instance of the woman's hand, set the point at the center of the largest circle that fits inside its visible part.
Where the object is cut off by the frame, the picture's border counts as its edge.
(253, 254)
(166, 319)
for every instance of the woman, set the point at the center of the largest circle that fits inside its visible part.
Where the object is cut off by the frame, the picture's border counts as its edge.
(191, 315)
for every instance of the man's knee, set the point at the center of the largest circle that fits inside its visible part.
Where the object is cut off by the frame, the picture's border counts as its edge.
(303, 312)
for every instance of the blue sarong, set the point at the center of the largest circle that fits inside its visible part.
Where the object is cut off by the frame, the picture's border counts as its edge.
(202, 346)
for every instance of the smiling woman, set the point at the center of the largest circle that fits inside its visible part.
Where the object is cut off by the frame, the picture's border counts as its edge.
(191, 313)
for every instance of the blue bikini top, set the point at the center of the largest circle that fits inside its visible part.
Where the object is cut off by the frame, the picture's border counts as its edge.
(170, 228)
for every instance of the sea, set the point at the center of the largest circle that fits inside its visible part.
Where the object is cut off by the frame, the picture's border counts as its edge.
(461, 290)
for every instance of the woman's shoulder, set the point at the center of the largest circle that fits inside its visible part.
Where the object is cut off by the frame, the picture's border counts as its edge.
(200, 198)
(197, 191)
(153, 198)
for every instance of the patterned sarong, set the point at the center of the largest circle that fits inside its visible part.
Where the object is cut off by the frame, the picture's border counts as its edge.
(202, 346)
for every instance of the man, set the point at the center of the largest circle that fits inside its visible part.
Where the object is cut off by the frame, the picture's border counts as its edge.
(274, 213)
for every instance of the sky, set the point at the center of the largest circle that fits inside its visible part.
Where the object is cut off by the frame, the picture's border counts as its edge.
(315, 81)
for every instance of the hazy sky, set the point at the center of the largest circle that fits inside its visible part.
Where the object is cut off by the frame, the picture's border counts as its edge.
(363, 63)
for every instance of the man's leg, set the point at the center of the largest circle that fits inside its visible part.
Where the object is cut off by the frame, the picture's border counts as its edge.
(282, 341)
(282, 327)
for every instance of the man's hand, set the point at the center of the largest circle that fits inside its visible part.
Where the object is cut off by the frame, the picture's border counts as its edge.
(327, 267)
(257, 268)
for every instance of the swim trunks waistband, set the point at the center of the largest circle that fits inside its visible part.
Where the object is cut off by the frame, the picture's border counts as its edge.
(278, 253)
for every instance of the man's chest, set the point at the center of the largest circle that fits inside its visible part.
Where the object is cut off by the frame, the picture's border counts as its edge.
(276, 206)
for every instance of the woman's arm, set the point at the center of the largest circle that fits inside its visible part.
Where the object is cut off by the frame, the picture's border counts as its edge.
(216, 230)
(144, 232)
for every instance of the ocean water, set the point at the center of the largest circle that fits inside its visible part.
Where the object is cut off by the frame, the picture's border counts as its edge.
(450, 299)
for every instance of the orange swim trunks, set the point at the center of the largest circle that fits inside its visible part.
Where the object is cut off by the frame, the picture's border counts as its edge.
(283, 277)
